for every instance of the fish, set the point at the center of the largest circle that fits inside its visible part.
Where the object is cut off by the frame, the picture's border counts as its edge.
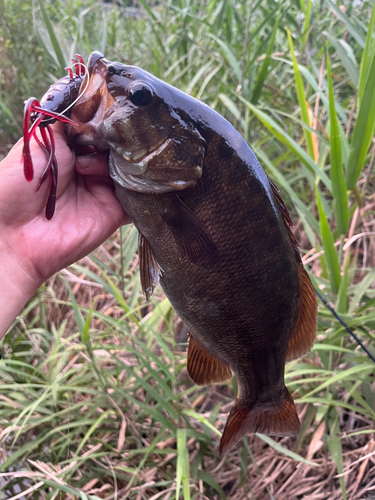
(213, 231)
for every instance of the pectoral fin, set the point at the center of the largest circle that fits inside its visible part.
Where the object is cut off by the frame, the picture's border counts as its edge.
(190, 233)
(203, 367)
(149, 268)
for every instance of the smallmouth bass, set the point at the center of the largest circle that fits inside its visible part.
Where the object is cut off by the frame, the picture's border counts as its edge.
(213, 230)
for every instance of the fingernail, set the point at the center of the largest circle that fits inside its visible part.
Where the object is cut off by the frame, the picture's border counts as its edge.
(86, 161)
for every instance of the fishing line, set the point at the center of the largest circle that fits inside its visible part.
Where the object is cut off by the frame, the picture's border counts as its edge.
(81, 91)
(348, 329)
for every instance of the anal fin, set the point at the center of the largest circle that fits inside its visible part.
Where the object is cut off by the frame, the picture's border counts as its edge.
(203, 367)
(279, 420)
(303, 336)
(150, 270)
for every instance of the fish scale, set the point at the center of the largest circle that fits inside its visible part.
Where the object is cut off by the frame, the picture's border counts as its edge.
(215, 231)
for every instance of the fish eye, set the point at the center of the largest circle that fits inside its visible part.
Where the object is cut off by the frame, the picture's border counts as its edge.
(140, 94)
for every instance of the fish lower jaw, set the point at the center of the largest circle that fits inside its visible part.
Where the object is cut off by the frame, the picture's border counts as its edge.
(137, 183)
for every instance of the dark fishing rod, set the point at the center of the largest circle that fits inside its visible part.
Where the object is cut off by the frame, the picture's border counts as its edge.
(348, 329)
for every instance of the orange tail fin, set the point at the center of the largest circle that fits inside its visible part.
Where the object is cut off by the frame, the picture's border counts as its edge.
(279, 420)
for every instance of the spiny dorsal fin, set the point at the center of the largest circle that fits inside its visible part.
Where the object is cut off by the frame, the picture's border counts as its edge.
(286, 218)
(203, 367)
(149, 268)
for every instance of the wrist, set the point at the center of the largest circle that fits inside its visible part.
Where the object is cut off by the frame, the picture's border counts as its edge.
(17, 287)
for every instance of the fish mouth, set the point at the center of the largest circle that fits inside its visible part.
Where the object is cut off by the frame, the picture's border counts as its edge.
(128, 174)
(91, 104)
(94, 77)
(137, 183)
(135, 163)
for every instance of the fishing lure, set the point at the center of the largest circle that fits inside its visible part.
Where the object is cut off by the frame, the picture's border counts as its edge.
(55, 105)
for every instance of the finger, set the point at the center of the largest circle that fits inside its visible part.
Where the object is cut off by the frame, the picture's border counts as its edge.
(59, 129)
(103, 190)
(23, 199)
(93, 164)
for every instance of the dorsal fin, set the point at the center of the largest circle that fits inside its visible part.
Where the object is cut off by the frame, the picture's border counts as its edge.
(303, 336)
(286, 218)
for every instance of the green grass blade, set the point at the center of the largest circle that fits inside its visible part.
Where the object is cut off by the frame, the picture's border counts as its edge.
(328, 401)
(264, 70)
(183, 468)
(92, 429)
(153, 393)
(330, 254)
(283, 137)
(366, 56)
(55, 44)
(301, 99)
(222, 14)
(357, 370)
(363, 129)
(191, 413)
(5, 109)
(147, 451)
(342, 296)
(330, 347)
(211, 482)
(149, 11)
(281, 182)
(335, 448)
(351, 28)
(307, 23)
(81, 323)
(229, 56)
(288, 453)
(315, 85)
(68, 489)
(18, 453)
(361, 289)
(346, 54)
(340, 196)
(103, 42)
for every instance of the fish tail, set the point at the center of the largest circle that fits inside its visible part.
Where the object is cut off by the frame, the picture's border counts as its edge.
(280, 419)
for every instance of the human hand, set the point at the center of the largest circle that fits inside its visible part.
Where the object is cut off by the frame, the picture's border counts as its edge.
(31, 248)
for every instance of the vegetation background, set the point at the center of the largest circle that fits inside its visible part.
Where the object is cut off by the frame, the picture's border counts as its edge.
(94, 397)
